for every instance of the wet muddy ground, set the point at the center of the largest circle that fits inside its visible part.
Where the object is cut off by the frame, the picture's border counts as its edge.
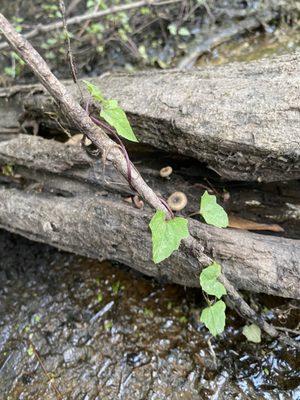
(75, 328)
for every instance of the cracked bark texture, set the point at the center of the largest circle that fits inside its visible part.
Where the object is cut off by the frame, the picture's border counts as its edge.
(242, 119)
(66, 203)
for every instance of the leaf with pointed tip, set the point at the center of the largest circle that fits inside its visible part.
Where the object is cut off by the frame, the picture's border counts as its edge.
(213, 317)
(116, 117)
(166, 235)
(252, 333)
(112, 113)
(209, 280)
(212, 212)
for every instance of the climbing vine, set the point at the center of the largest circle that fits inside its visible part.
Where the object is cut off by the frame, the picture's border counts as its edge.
(168, 230)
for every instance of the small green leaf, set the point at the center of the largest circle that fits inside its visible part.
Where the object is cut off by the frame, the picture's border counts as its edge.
(252, 333)
(95, 92)
(116, 117)
(166, 235)
(108, 324)
(172, 29)
(112, 113)
(212, 212)
(8, 170)
(148, 312)
(213, 317)
(99, 296)
(183, 31)
(209, 281)
(30, 351)
(115, 287)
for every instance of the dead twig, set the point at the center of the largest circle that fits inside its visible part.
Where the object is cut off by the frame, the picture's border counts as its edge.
(70, 54)
(58, 394)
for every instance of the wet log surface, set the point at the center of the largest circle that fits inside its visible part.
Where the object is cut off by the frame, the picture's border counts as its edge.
(64, 199)
(242, 120)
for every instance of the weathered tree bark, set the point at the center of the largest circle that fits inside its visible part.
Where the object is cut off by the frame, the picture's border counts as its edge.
(242, 120)
(68, 203)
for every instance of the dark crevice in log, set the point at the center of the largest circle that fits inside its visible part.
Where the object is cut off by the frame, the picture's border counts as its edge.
(264, 203)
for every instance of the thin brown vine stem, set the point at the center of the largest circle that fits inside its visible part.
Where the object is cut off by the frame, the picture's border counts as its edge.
(108, 128)
(72, 64)
(129, 164)
(72, 109)
(170, 211)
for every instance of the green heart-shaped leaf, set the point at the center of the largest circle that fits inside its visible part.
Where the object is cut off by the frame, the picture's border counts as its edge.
(213, 317)
(212, 212)
(166, 235)
(116, 117)
(209, 281)
(112, 113)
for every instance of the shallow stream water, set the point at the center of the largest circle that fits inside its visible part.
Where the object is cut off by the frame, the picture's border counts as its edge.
(74, 328)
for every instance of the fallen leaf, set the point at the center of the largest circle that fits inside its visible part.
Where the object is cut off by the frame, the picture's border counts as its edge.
(242, 223)
(252, 333)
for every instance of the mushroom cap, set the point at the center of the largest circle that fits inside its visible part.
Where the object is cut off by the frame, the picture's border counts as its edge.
(177, 201)
(166, 171)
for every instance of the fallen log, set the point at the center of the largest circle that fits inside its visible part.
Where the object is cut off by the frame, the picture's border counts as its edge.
(242, 120)
(66, 201)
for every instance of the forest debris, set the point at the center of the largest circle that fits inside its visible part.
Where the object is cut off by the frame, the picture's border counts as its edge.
(75, 140)
(246, 224)
(202, 45)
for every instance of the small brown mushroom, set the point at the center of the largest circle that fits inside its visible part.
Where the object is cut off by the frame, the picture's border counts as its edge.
(177, 201)
(166, 172)
(138, 202)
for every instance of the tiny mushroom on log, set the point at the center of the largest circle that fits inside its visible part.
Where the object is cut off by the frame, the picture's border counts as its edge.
(177, 201)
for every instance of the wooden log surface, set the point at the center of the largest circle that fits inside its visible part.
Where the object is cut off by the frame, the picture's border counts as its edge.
(242, 119)
(65, 200)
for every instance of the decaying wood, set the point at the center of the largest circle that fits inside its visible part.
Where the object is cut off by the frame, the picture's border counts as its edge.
(242, 119)
(90, 217)
(84, 123)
